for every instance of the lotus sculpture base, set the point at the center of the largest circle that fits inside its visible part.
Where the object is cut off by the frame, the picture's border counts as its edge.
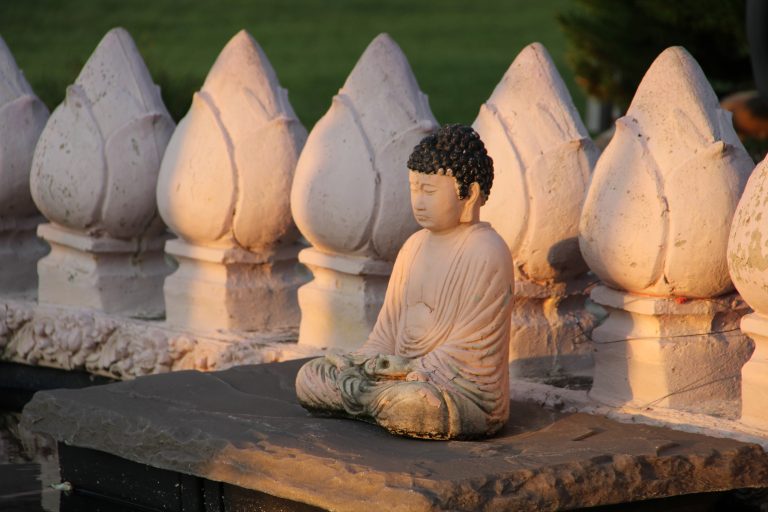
(754, 375)
(549, 330)
(20, 249)
(340, 305)
(232, 289)
(102, 273)
(673, 353)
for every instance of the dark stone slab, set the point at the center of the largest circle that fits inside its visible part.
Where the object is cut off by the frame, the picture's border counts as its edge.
(18, 382)
(100, 481)
(20, 487)
(244, 427)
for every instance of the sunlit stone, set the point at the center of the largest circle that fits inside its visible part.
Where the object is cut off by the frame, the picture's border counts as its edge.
(224, 188)
(748, 244)
(22, 118)
(543, 158)
(350, 195)
(656, 222)
(658, 213)
(94, 177)
(748, 263)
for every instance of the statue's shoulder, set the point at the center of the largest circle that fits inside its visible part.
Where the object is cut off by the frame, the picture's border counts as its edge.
(484, 238)
(409, 248)
(484, 244)
(414, 240)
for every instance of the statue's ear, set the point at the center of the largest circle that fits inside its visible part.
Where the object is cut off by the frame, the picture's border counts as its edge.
(472, 205)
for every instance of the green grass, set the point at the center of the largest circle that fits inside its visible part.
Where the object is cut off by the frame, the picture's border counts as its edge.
(458, 50)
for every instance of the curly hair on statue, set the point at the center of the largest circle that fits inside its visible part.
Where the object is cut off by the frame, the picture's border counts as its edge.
(455, 150)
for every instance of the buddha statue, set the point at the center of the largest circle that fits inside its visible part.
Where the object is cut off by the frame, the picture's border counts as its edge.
(435, 364)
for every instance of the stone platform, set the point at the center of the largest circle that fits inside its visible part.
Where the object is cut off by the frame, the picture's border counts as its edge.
(244, 427)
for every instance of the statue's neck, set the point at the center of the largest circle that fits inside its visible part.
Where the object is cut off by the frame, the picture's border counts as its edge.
(451, 233)
(459, 228)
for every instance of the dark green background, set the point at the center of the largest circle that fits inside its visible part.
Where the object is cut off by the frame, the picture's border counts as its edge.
(458, 50)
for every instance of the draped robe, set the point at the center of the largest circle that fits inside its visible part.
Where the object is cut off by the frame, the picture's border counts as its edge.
(455, 329)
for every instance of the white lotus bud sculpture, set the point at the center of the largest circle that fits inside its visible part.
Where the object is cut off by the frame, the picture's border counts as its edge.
(748, 264)
(94, 177)
(226, 178)
(22, 119)
(748, 244)
(225, 186)
(350, 197)
(655, 228)
(659, 209)
(543, 159)
(96, 165)
(351, 191)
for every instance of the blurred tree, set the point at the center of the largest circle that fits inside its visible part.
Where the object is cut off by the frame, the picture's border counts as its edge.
(612, 44)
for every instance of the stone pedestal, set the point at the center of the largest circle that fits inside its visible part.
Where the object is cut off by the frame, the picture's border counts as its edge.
(754, 375)
(22, 118)
(671, 353)
(104, 273)
(549, 337)
(224, 189)
(20, 249)
(350, 195)
(542, 158)
(340, 305)
(233, 289)
(94, 175)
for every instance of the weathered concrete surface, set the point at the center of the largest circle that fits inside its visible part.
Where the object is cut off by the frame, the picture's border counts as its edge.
(244, 426)
(124, 348)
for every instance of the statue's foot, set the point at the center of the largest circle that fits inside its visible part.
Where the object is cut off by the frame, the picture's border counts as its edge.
(418, 434)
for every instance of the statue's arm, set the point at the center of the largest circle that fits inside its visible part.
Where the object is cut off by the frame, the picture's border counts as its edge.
(383, 337)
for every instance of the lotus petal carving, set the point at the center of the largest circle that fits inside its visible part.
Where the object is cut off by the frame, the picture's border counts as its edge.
(96, 164)
(542, 158)
(748, 243)
(227, 173)
(351, 193)
(658, 212)
(22, 119)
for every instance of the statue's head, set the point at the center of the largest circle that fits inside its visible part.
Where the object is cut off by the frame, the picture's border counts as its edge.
(450, 176)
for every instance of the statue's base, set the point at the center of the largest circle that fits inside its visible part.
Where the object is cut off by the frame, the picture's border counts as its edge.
(20, 250)
(102, 273)
(340, 305)
(549, 335)
(232, 289)
(244, 428)
(675, 354)
(754, 375)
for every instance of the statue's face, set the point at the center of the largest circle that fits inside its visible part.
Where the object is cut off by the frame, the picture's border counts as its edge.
(435, 201)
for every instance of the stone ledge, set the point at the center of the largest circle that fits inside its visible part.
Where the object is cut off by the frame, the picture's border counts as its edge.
(578, 400)
(649, 305)
(243, 426)
(56, 234)
(229, 255)
(353, 265)
(125, 348)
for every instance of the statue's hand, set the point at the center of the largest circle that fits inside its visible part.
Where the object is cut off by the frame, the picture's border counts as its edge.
(417, 376)
(345, 360)
(340, 361)
(388, 366)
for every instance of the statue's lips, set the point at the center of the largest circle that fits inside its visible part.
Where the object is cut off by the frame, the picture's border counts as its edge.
(421, 218)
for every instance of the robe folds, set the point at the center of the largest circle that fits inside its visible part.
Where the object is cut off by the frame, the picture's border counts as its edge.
(458, 344)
